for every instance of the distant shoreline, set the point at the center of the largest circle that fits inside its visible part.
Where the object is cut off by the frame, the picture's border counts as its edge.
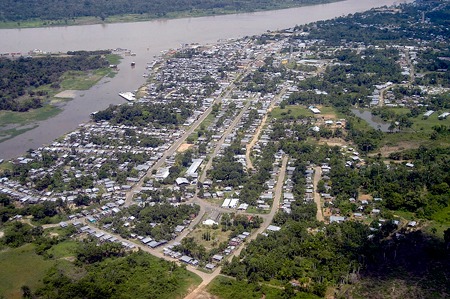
(132, 18)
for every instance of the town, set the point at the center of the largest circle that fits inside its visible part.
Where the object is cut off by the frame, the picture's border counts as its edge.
(230, 142)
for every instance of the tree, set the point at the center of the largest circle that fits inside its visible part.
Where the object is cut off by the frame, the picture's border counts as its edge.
(26, 292)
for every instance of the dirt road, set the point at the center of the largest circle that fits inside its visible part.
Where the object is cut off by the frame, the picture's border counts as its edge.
(317, 176)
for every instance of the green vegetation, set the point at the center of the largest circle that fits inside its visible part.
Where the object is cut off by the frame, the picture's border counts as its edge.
(27, 81)
(64, 13)
(52, 265)
(138, 275)
(291, 112)
(21, 266)
(228, 288)
(29, 97)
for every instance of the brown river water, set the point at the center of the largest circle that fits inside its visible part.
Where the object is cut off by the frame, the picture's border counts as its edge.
(146, 39)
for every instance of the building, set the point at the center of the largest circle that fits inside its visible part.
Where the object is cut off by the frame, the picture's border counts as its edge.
(192, 170)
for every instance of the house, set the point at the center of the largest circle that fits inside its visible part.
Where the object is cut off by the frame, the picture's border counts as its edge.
(273, 228)
(193, 168)
(217, 257)
(186, 259)
(314, 110)
(182, 182)
(337, 219)
(162, 173)
(63, 224)
(210, 222)
(210, 266)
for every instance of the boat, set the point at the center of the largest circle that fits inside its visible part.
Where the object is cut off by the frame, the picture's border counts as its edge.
(128, 95)
(133, 63)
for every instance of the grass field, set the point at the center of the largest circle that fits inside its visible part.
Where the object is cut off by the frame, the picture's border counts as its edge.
(21, 266)
(228, 288)
(81, 80)
(64, 249)
(217, 236)
(205, 123)
(298, 111)
(291, 111)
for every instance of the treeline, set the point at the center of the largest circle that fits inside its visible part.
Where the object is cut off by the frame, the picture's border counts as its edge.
(167, 216)
(21, 77)
(63, 10)
(378, 27)
(106, 274)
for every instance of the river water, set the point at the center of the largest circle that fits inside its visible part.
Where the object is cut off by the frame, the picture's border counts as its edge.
(146, 39)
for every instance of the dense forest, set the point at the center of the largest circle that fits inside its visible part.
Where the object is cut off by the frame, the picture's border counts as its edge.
(22, 77)
(12, 10)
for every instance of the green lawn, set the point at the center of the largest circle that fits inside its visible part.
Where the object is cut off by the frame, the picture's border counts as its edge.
(21, 266)
(296, 111)
(442, 216)
(291, 111)
(205, 123)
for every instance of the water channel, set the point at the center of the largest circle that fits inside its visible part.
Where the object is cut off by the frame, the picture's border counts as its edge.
(373, 121)
(146, 39)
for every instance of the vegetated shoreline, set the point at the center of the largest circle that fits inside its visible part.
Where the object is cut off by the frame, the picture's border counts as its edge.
(133, 18)
(21, 122)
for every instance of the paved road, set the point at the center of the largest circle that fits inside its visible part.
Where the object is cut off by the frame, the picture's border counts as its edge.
(317, 176)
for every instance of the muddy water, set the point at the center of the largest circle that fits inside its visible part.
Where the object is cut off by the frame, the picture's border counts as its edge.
(146, 39)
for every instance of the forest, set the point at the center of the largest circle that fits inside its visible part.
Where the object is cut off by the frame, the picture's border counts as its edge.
(21, 78)
(62, 9)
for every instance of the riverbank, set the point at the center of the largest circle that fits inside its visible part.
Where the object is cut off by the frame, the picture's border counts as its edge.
(14, 123)
(147, 40)
(131, 18)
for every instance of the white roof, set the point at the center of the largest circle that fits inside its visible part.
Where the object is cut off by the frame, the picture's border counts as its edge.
(273, 228)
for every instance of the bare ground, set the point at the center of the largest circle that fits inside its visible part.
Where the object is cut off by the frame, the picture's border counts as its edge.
(184, 147)
(386, 150)
(334, 142)
(66, 94)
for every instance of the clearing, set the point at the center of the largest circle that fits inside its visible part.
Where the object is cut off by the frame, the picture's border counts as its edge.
(21, 266)
(184, 147)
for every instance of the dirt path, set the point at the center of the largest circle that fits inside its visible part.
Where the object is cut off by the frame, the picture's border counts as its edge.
(255, 138)
(252, 143)
(199, 292)
(317, 175)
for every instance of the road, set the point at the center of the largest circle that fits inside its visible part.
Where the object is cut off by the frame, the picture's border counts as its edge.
(222, 140)
(168, 152)
(255, 138)
(195, 294)
(182, 139)
(317, 176)
(267, 219)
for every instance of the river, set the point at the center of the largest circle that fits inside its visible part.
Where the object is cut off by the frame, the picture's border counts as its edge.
(146, 39)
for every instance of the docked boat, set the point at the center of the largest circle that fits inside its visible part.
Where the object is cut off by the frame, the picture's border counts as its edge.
(128, 95)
